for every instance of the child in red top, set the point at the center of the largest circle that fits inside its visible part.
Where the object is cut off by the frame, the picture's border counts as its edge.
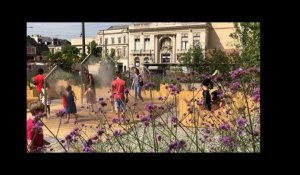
(39, 81)
(35, 136)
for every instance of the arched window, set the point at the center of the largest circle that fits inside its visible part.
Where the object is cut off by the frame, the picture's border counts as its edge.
(136, 61)
(146, 60)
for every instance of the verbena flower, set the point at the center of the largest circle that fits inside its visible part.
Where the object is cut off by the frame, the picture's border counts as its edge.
(177, 144)
(225, 127)
(103, 103)
(145, 120)
(174, 119)
(227, 141)
(159, 137)
(101, 99)
(95, 137)
(117, 133)
(241, 122)
(100, 131)
(237, 73)
(149, 107)
(116, 120)
(234, 86)
(256, 95)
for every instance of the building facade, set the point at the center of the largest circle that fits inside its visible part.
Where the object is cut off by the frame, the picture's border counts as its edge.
(115, 39)
(164, 42)
(161, 42)
(77, 42)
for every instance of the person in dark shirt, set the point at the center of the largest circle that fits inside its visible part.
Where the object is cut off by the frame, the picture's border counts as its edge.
(206, 94)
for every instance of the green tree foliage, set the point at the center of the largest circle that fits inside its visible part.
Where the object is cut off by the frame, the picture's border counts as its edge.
(96, 51)
(67, 58)
(248, 35)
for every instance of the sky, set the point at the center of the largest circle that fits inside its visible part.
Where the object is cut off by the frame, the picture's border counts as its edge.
(67, 30)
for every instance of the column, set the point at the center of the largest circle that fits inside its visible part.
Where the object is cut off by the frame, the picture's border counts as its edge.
(155, 59)
(173, 49)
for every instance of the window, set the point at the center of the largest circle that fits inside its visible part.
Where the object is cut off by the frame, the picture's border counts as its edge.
(119, 52)
(146, 60)
(147, 44)
(196, 40)
(124, 51)
(106, 41)
(124, 39)
(166, 58)
(119, 40)
(137, 44)
(112, 40)
(184, 42)
(137, 61)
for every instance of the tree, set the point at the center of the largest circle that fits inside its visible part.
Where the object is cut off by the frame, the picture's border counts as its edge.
(67, 58)
(193, 57)
(112, 53)
(219, 60)
(96, 51)
(248, 35)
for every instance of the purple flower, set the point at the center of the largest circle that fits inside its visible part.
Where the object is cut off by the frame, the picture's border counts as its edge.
(177, 78)
(237, 73)
(190, 110)
(241, 122)
(149, 107)
(95, 137)
(87, 149)
(103, 103)
(256, 132)
(68, 138)
(199, 103)
(161, 107)
(38, 124)
(160, 98)
(226, 140)
(126, 91)
(61, 113)
(116, 120)
(145, 120)
(88, 143)
(174, 119)
(224, 127)
(177, 144)
(100, 131)
(117, 133)
(256, 95)
(39, 116)
(234, 86)
(193, 73)
(101, 99)
(159, 138)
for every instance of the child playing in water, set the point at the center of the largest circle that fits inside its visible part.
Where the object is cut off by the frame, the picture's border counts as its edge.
(42, 97)
(90, 97)
(71, 106)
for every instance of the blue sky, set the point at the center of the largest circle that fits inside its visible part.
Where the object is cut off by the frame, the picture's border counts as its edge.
(67, 30)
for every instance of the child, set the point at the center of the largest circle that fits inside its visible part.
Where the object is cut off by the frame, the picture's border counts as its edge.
(35, 137)
(206, 94)
(63, 95)
(90, 97)
(71, 106)
(42, 97)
